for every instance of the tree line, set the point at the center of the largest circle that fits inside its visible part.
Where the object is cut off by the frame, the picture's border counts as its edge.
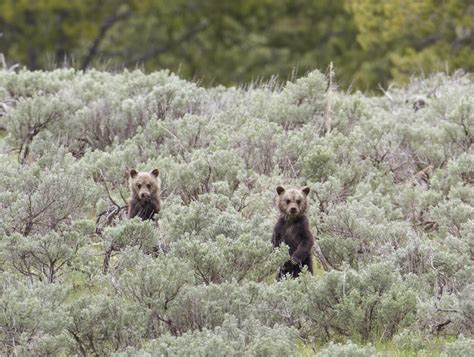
(226, 42)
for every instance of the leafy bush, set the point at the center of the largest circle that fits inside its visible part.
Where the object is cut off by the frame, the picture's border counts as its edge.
(411, 341)
(34, 318)
(231, 339)
(100, 324)
(461, 347)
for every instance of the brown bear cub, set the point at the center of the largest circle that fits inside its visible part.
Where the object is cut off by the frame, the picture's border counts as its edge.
(145, 189)
(292, 228)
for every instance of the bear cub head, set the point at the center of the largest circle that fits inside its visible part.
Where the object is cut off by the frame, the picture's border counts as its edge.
(145, 186)
(292, 202)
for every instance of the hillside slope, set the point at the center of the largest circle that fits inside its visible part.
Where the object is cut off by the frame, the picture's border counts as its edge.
(392, 206)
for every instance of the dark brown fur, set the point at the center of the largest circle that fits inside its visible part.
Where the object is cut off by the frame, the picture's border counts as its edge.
(145, 194)
(292, 228)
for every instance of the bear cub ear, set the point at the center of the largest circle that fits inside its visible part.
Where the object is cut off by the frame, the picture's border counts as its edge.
(306, 190)
(280, 190)
(155, 172)
(133, 173)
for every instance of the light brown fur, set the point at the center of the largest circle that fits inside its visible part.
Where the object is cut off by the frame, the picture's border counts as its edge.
(145, 194)
(292, 202)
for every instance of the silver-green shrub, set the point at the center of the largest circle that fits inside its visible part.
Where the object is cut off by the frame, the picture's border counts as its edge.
(391, 206)
(249, 338)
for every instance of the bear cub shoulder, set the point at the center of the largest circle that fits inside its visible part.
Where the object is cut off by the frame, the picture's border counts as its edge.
(145, 194)
(292, 229)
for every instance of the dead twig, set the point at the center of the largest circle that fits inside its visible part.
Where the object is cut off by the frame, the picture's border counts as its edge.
(322, 259)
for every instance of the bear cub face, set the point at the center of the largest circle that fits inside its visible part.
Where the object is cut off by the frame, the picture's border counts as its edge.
(292, 202)
(144, 185)
(145, 194)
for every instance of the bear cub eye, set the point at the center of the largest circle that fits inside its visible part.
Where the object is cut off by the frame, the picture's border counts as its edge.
(148, 185)
(298, 202)
(288, 202)
(139, 185)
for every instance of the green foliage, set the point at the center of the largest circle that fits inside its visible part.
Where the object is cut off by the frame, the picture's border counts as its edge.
(319, 165)
(370, 43)
(239, 258)
(37, 198)
(156, 284)
(372, 303)
(33, 318)
(223, 42)
(407, 37)
(45, 257)
(100, 324)
(414, 342)
(133, 233)
(201, 279)
(461, 347)
(249, 338)
(346, 350)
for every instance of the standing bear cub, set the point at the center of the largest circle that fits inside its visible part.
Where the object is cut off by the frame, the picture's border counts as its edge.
(292, 228)
(145, 194)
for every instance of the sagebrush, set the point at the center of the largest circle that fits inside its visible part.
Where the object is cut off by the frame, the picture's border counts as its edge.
(391, 207)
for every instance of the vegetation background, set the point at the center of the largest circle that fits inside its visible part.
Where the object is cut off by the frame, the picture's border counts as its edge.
(391, 177)
(371, 43)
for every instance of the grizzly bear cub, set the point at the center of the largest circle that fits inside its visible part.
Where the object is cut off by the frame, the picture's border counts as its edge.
(145, 194)
(292, 228)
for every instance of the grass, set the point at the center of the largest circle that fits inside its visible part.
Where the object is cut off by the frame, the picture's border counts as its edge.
(387, 349)
(425, 348)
